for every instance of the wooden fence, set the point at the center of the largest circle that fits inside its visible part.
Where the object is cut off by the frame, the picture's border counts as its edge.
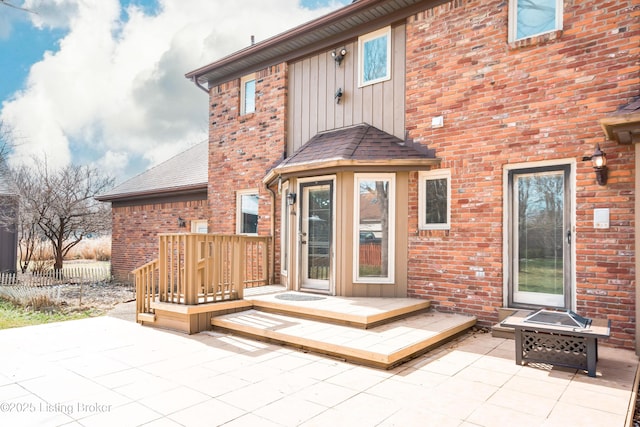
(28, 287)
(370, 254)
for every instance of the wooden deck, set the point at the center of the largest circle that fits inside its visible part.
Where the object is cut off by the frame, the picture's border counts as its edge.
(379, 332)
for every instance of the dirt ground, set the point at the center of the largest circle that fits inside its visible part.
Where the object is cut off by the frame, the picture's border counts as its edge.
(101, 297)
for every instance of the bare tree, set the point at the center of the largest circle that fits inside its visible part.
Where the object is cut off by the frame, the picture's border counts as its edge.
(6, 3)
(59, 205)
(29, 234)
(8, 199)
(6, 140)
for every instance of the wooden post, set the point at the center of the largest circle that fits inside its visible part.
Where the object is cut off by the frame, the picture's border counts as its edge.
(162, 269)
(239, 262)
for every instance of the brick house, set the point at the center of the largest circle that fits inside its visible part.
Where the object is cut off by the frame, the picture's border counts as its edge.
(168, 198)
(473, 127)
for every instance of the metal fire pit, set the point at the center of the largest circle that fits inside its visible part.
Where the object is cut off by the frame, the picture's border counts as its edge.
(557, 337)
(566, 318)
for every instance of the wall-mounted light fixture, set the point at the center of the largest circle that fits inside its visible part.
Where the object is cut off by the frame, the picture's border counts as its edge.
(181, 222)
(599, 161)
(338, 95)
(338, 55)
(291, 199)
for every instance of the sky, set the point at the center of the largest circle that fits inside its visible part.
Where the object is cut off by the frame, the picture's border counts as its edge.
(101, 82)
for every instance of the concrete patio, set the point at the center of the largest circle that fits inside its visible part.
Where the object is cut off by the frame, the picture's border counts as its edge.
(109, 371)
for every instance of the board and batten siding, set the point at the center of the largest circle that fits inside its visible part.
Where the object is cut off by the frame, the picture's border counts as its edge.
(314, 81)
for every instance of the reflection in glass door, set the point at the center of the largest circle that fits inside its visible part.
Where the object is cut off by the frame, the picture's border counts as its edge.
(540, 238)
(316, 234)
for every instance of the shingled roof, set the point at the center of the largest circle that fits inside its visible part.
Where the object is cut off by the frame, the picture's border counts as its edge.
(181, 174)
(623, 125)
(361, 145)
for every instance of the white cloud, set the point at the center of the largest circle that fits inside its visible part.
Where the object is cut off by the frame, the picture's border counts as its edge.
(115, 90)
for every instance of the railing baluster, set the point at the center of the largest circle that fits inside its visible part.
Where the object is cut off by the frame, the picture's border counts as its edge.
(198, 268)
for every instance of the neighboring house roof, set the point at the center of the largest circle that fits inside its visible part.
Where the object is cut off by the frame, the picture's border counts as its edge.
(184, 173)
(325, 32)
(354, 146)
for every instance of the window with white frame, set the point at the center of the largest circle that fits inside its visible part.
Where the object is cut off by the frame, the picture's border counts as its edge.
(374, 226)
(434, 190)
(248, 94)
(199, 226)
(247, 212)
(528, 18)
(374, 58)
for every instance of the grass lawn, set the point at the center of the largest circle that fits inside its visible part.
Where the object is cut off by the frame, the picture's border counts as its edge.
(12, 316)
(540, 275)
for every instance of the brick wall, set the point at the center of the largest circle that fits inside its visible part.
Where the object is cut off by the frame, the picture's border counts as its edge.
(135, 230)
(243, 148)
(511, 103)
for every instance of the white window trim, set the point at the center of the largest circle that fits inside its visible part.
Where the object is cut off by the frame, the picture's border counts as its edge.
(239, 195)
(284, 223)
(513, 21)
(361, 41)
(243, 103)
(391, 177)
(422, 196)
(196, 224)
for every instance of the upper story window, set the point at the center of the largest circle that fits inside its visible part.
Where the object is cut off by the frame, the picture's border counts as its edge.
(248, 94)
(374, 59)
(528, 18)
(247, 212)
(435, 200)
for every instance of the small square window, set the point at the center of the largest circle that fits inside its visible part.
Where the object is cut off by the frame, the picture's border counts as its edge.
(528, 18)
(247, 212)
(434, 188)
(374, 58)
(199, 226)
(248, 95)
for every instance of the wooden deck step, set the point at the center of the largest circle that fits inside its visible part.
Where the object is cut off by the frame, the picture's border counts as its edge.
(363, 312)
(383, 346)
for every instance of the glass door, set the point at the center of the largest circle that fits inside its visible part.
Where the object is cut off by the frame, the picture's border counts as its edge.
(540, 237)
(316, 236)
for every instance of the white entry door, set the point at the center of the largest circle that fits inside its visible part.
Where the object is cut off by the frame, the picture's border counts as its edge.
(316, 236)
(540, 237)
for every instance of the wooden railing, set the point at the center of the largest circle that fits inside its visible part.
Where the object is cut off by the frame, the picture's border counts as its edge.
(147, 289)
(202, 268)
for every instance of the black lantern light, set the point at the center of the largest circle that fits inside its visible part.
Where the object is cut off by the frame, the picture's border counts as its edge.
(599, 160)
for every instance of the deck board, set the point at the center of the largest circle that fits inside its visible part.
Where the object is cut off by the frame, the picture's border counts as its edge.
(359, 312)
(383, 346)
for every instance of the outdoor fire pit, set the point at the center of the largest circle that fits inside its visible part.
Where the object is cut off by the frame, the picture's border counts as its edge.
(557, 337)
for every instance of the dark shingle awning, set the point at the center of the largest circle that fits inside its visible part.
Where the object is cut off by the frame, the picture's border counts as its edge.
(623, 125)
(355, 148)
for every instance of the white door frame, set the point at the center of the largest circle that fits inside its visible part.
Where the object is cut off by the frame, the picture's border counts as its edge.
(506, 254)
(305, 182)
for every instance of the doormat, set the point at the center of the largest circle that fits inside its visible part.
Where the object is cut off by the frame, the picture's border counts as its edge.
(299, 297)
